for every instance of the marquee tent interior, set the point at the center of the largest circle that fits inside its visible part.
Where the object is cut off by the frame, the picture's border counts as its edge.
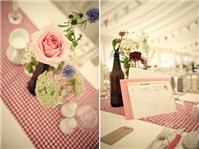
(173, 36)
(172, 28)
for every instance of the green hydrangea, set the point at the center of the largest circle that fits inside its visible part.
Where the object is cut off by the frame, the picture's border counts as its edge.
(48, 90)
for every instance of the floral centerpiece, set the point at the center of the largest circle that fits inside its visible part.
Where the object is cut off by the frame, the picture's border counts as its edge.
(133, 50)
(50, 60)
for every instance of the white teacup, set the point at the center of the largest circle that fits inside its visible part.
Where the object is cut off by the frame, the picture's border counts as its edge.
(18, 40)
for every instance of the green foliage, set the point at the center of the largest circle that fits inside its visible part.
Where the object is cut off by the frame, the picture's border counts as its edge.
(61, 65)
(74, 20)
(31, 66)
(77, 84)
(116, 45)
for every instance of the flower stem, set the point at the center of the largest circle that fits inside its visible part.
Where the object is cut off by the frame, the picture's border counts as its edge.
(40, 68)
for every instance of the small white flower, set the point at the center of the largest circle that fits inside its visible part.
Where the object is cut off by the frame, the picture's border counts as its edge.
(27, 55)
(23, 61)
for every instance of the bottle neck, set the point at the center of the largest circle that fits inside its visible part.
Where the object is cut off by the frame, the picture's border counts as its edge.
(116, 63)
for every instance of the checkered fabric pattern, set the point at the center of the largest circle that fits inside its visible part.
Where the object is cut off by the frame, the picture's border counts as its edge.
(40, 124)
(185, 117)
(106, 106)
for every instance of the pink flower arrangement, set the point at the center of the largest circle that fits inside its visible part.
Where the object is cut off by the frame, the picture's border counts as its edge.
(50, 46)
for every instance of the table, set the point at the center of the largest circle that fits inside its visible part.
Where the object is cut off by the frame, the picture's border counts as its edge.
(17, 138)
(144, 132)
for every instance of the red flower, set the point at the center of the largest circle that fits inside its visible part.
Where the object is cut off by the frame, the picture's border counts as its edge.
(122, 33)
(135, 56)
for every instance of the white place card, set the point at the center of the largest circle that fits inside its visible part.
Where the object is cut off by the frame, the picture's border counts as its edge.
(151, 98)
(147, 97)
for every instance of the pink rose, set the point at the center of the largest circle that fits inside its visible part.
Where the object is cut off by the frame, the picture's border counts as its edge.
(50, 46)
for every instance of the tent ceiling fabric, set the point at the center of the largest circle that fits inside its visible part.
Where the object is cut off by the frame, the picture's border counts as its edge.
(170, 25)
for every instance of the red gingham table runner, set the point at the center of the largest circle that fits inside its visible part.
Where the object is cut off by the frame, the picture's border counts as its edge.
(105, 106)
(41, 125)
(183, 118)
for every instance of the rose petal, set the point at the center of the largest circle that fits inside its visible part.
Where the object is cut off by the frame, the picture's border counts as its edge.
(51, 53)
(47, 46)
(51, 43)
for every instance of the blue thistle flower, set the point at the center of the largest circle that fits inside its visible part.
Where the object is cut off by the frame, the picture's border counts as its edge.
(69, 71)
(92, 15)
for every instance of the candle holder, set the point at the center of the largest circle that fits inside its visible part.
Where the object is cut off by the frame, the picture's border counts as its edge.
(18, 40)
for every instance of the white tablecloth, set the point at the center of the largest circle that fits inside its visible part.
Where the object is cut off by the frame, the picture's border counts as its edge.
(144, 133)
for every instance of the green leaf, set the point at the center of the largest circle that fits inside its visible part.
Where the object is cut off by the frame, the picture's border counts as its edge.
(29, 68)
(75, 43)
(34, 62)
(70, 16)
(69, 37)
(61, 65)
(62, 25)
(81, 15)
